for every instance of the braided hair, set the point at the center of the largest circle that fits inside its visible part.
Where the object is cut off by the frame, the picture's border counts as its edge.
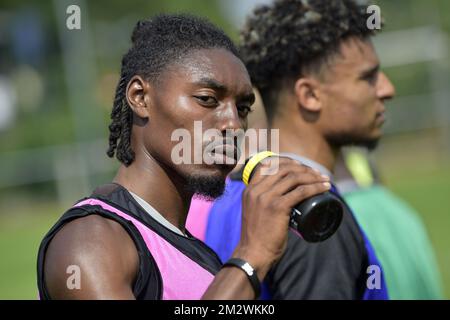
(156, 43)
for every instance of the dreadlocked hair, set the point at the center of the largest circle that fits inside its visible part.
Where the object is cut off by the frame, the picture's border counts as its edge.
(157, 43)
(289, 38)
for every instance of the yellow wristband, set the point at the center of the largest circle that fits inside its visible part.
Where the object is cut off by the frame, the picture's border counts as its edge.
(253, 162)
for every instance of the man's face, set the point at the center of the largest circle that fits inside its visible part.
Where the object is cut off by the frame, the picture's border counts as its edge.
(353, 95)
(210, 87)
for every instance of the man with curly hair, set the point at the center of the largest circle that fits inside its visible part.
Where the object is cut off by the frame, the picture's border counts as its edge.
(320, 81)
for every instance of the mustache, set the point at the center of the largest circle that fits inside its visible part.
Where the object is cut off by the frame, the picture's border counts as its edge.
(229, 143)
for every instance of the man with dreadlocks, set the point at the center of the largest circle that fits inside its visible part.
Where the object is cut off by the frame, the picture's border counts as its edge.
(128, 239)
(318, 75)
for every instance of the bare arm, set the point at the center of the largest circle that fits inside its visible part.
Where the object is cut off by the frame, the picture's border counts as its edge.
(101, 250)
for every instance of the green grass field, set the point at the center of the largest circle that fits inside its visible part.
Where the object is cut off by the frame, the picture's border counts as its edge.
(428, 191)
(20, 235)
(425, 188)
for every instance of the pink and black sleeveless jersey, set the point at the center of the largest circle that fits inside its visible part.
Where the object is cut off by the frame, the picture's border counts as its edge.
(172, 266)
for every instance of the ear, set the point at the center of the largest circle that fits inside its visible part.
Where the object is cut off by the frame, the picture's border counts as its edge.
(138, 99)
(307, 92)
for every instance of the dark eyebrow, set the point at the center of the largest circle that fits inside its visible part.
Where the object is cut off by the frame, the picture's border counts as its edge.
(248, 97)
(210, 83)
(214, 84)
(370, 71)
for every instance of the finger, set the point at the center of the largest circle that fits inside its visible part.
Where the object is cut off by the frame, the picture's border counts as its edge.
(295, 179)
(292, 168)
(303, 192)
(267, 182)
(269, 167)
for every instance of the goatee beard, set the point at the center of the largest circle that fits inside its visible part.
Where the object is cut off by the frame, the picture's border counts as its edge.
(205, 187)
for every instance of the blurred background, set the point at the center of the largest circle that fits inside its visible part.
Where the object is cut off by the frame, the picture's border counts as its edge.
(57, 86)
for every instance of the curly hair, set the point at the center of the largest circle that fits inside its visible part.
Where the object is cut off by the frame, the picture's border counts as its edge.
(156, 44)
(290, 38)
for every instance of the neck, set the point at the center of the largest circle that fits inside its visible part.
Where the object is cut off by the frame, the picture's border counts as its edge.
(305, 141)
(156, 184)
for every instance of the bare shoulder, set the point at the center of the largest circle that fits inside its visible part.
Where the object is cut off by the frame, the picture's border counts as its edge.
(91, 258)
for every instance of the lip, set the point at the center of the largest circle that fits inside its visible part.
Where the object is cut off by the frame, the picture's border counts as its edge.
(224, 149)
(222, 159)
(222, 153)
(381, 117)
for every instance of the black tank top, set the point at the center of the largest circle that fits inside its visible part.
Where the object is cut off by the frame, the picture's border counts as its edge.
(171, 266)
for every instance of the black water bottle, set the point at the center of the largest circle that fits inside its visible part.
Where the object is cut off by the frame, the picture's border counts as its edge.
(316, 218)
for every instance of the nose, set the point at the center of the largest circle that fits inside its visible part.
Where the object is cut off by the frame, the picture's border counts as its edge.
(386, 89)
(229, 118)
